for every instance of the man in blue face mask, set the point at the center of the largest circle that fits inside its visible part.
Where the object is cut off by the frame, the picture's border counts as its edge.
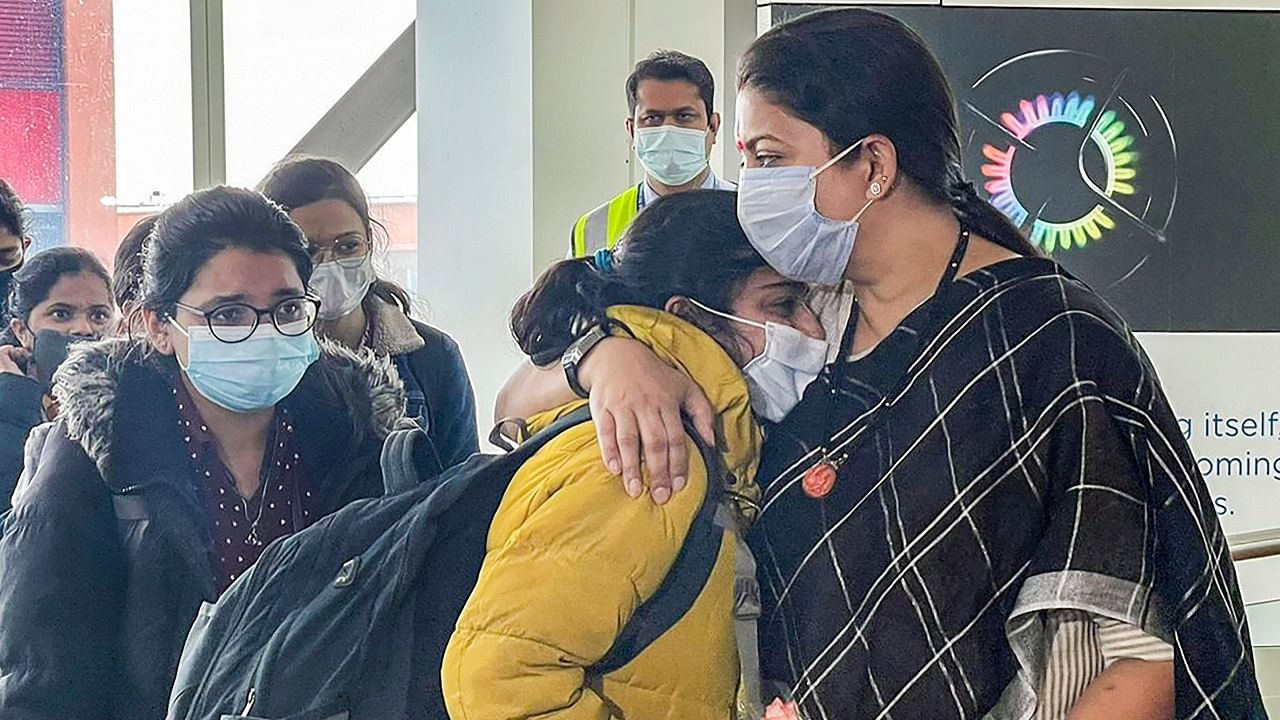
(672, 127)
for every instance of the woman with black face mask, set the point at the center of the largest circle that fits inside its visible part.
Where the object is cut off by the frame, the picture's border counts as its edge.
(60, 297)
(178, 454)
(14, 240)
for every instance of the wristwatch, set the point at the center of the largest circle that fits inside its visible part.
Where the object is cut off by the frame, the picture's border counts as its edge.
(575, 353)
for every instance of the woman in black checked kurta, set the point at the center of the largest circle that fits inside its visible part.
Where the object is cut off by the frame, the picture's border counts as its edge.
(984, 507)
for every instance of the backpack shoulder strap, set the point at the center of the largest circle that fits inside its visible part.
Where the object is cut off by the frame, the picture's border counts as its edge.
(684, 581)
(402, 464)
(130, 508)
(399, 471)
(746, 617)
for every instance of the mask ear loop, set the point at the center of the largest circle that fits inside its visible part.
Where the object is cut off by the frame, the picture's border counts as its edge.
(876, 187)
(735, 318)
(173, 322)
(727, 316)
(827, 165)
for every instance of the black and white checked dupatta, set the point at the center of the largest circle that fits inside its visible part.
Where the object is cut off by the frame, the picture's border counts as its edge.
(1023, 459)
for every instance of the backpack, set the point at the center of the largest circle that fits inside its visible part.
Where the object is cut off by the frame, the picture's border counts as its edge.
(349, 619)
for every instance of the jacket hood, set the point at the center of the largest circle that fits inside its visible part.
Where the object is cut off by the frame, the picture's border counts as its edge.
(356, 395)
(393, 332)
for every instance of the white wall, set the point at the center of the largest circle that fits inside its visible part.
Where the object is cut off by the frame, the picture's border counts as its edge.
(521, 129)
(475, 202)
(581, 58)
(583, 52)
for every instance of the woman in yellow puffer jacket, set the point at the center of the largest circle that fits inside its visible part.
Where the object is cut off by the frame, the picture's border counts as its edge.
(570, 555)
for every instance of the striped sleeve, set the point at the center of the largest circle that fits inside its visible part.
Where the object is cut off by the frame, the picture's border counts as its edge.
(1080, 647)
(1120, 641)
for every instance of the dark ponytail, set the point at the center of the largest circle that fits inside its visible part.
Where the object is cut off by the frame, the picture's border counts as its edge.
(984, 220)
(853, 73)
(567, 300)
(689, 245)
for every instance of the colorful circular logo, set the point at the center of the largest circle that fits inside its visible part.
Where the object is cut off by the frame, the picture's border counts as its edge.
(1090, 161)
(1106, 133)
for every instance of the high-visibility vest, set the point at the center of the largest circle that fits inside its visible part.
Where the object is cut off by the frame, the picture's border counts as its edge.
(604, 226)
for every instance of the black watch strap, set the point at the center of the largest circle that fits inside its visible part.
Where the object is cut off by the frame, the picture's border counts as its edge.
(577, 352)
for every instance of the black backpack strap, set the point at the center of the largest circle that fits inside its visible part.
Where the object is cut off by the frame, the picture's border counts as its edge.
(399, 471)
(406, 453)
(684, 581)
(746, 616)
(539, 439)
(130, 508)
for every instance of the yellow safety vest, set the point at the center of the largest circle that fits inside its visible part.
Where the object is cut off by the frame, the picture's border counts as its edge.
(604, 226)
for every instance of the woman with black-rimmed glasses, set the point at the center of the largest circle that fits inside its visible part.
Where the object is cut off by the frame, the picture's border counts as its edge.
(177, 457)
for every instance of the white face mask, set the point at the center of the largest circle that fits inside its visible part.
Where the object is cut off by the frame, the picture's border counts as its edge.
(777, 377)
(777, 212)
(341, 288)
(672, 155)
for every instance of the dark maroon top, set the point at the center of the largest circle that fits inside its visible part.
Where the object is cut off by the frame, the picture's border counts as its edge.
(241, 527)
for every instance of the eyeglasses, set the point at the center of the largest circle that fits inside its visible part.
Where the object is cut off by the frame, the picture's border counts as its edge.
(236, 322)
(349, 252)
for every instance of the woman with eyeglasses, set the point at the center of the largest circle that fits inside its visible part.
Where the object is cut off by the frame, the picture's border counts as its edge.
(177, 457)
(359, 309)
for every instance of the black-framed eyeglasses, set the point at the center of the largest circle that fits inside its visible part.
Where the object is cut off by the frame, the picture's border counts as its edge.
(236, 322)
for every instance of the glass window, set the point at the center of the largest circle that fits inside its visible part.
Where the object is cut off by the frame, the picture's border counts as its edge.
(391, 181)
(95, 114)
(287, 62)
(153, 102)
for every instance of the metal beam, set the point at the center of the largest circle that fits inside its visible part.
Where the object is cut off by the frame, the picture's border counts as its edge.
(208, 98)
(371, 110)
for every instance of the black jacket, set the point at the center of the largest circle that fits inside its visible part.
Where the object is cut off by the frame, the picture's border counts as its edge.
(21, 409)
(92, 630)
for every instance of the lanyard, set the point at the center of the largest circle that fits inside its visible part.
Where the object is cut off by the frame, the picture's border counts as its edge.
(820, 478)
(948, 277)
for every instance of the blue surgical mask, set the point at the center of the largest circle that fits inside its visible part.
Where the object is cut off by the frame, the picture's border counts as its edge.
(672, 155)
(251, 375)
(777, 212)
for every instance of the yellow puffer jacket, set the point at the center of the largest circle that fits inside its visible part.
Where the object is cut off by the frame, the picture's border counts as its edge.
(571, 556)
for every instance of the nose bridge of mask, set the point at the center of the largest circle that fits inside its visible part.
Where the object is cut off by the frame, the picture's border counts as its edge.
(265, 345)
(662, 132)
(782, 342)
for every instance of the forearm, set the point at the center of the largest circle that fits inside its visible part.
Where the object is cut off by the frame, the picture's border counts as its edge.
(1129, 689)
(532, 390)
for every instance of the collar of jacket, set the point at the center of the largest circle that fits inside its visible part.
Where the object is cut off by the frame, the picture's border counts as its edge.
(116, 403)
(695, 353)
(393, 332)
